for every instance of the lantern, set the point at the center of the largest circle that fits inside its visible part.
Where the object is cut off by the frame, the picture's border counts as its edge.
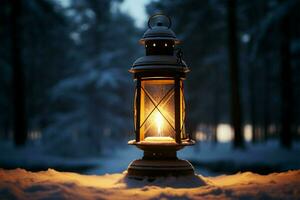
(159, 105)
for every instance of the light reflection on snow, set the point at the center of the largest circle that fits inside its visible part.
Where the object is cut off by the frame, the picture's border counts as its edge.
(52, 184)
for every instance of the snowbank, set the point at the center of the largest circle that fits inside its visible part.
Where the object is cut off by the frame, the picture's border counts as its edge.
(50, 184)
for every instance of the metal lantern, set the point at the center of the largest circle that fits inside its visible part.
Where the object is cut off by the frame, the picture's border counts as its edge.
(159, 105)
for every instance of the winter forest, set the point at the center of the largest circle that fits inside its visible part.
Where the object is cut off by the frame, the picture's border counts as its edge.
(66, 96)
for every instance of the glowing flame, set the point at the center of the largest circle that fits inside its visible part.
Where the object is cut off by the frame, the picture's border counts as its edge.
(159, 122)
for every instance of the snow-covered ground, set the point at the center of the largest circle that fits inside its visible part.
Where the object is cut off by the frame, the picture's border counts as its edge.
(33, 157)
(50, 184)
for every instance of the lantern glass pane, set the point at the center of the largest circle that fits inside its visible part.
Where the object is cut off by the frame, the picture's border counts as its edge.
(182, 112)
(134, 110)
(157, 109)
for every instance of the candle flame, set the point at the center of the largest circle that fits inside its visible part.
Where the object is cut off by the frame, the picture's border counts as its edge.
(159, 122)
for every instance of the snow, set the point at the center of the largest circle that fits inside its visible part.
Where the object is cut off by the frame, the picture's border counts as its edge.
(34, 158)
(221, 157)
(51, 184)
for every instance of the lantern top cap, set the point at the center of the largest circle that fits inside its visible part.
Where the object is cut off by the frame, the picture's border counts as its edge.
(159, 28)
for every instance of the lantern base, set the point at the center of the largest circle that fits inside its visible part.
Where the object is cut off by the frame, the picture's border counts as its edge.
(159, 168)
(160, 159)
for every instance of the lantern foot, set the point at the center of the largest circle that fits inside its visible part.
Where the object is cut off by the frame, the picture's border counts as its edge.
(158, 168)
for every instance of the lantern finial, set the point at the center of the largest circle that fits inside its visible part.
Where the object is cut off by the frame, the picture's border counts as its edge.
(160, 17)
(159, 28)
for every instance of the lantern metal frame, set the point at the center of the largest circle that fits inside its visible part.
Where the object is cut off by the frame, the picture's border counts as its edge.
(160, 158)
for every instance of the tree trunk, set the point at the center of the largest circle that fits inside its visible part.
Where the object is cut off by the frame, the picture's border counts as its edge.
(216, 110)
(266, 98)
(252, 102)
(234, 75)
(19, 118)
(286, 84)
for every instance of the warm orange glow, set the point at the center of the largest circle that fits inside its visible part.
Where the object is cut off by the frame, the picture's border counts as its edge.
(157, 109)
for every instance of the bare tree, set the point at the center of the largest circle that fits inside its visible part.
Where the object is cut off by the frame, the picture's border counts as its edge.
(19, 124)
(234, 74)
(286, 83)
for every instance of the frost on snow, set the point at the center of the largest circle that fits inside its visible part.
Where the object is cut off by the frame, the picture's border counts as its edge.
(21, 184)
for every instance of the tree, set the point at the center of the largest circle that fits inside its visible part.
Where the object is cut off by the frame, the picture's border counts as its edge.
(19, 122)
(234, 74)
(5, 70)
(94, 101)
(286, 83)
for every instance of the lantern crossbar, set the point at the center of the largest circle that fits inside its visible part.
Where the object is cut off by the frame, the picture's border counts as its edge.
(166, 119)
(156, 107)
(166, 101)
(169, 95)
(152, 123)
(153, 102)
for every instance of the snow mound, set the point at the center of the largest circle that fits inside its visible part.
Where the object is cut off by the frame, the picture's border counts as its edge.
(51, 184)
(191, 181)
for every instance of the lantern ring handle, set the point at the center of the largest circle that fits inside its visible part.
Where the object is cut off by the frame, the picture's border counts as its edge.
(159, 14)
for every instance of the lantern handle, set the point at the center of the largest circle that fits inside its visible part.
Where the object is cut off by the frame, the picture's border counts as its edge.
(179, 55)
(159, 14)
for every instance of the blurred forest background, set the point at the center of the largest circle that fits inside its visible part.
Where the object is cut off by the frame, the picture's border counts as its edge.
(65, 85)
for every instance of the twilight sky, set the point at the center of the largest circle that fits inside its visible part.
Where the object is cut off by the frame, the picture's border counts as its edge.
(136, 8)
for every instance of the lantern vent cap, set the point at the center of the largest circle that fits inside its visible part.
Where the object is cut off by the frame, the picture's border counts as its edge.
(159, 62)
(159, 28)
